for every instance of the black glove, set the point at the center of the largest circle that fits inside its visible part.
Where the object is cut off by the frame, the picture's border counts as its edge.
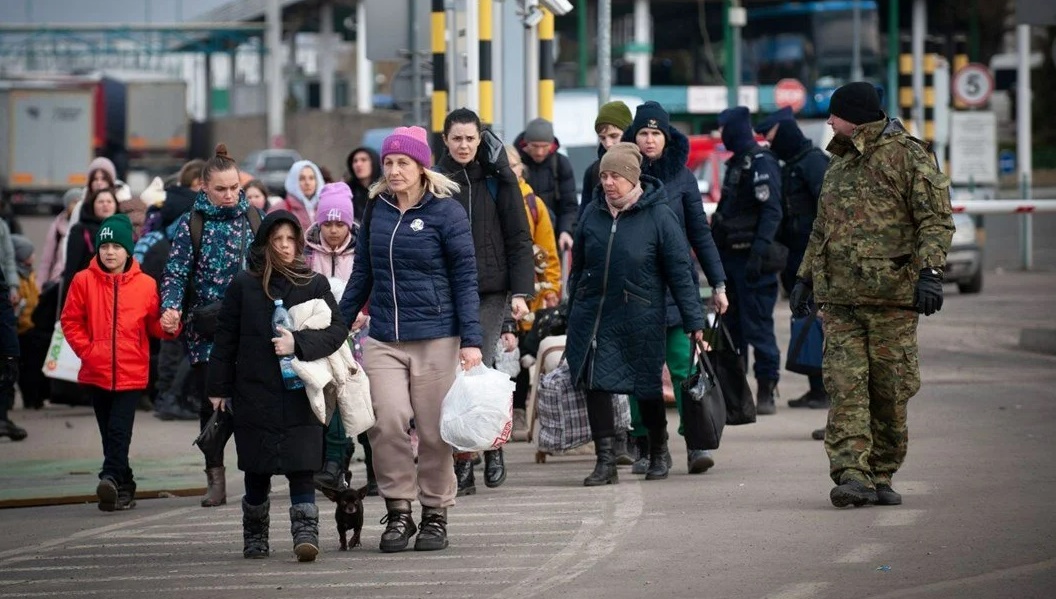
(800, 297)
(753, 270)
(927, 297)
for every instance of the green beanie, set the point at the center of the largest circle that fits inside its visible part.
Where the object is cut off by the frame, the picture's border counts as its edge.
(115, 229)
(613, 113)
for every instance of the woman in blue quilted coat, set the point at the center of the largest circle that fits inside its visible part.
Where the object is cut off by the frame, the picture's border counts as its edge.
(415, 262)
(629, 249)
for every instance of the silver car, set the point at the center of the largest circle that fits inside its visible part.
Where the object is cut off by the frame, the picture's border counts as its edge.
(964, 263)
(271, 168)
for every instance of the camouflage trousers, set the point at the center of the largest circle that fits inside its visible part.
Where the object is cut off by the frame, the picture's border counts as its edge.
(871, 370)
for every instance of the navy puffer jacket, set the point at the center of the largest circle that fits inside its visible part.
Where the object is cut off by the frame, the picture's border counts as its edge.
(421, 278)
(621, 270)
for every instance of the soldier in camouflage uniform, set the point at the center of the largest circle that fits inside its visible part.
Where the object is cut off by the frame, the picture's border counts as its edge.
(874, 263)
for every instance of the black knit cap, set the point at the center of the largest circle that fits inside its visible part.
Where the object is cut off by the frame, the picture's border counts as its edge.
(653, 116)
(856, 103)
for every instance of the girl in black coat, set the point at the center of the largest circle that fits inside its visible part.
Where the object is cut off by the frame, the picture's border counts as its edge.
(276, 431)
(628, 251)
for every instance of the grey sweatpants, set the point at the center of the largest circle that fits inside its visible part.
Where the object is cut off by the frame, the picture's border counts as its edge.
(409, 380)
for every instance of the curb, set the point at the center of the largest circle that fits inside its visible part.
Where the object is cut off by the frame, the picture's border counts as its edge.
(74, 499)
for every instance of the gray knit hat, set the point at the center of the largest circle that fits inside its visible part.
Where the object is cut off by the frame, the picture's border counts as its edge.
(539, 130)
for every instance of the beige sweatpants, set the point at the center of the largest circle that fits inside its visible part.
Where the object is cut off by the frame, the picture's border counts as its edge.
(409, 380)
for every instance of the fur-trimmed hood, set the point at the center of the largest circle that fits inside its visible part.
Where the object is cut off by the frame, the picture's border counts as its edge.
(671, 162)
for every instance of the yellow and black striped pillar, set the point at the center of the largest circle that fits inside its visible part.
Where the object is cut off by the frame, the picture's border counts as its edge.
(905, 81)
(932, 47)
(439, 50)
(960, 60)
(487, 89)
(546, 66)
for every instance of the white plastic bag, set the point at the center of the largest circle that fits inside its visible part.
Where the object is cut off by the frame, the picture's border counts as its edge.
(477, 413)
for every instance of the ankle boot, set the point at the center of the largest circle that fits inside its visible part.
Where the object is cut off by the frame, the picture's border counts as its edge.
(216, 493)
(12, 430)
(494, 468)
(605, 467)
(766, 391)
(304, 525)
(255, 523)
(432, 535)
(464, 474)
(619, 449)
(399, 526)
(330, 477)
(520, 426)
(126, 495)
(641, 455)
(658, 456)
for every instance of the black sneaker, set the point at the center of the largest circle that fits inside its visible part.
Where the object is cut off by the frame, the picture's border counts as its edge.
(107, 493)
(432, 535)
(126, 496)
(399, 528)
(815, 400)
(885, 495)
(852, 493)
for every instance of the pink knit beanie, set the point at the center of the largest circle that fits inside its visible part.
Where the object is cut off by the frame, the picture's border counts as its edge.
(411, 141)
(335, 204)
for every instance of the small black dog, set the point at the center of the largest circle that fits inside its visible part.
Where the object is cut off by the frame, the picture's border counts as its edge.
(349, 513)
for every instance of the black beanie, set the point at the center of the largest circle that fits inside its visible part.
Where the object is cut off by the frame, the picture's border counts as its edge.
(653, 116)
(736, 129)
(856, 103)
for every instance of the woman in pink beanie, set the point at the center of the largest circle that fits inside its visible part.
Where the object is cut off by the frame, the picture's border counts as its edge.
(331, 241)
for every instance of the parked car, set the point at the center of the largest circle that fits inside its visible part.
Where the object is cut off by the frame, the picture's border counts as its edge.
(964, 263)
(271, 167)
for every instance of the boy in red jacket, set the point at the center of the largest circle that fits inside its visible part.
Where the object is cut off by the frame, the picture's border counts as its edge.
(111, 308)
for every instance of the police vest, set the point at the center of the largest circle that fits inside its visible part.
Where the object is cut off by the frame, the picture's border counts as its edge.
(737, 215)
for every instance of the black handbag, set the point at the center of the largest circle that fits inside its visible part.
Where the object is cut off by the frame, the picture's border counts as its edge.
(205, 318)
(213, 438)
(703, 407)
(731, 374)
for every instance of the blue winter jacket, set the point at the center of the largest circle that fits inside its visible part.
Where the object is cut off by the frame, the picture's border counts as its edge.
(421, 278)
(226, 237)
(683, 196)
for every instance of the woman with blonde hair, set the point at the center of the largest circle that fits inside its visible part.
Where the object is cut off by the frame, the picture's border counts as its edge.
(416, 265)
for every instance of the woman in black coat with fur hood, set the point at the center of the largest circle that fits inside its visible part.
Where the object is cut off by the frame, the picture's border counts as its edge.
(276, 431)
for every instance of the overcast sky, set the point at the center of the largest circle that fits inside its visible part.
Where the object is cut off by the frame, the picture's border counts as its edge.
(103, 11)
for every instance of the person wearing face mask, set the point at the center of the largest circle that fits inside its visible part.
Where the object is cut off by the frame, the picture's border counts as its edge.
(364, 170)
(303, 183)
(745, 225)
(628, 252)
(491, 196)
(664, 151)
(196, 277)
(613, 119)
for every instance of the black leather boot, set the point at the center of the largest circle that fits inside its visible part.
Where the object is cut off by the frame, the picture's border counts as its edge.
(330, 477)
(766, 391)
(432, 535)
(494, 468)
(464, 474)
(12, 430)
(255, 523)
(620, 450)
(605, 467)
(304, 526)
(658, 456)
(399, 526)
(641, 455)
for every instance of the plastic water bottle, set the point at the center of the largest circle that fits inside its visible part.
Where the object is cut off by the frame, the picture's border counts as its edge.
(281, 318)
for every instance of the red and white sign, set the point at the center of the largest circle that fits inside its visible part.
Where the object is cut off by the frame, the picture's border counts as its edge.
(791, 93)
(973, 84)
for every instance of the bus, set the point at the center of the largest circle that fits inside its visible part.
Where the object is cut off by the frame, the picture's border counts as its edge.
(811, 42)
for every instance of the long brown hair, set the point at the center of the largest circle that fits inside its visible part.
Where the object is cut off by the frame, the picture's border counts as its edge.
(265, 262)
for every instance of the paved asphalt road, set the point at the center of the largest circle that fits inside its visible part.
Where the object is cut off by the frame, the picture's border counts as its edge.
(976, 523)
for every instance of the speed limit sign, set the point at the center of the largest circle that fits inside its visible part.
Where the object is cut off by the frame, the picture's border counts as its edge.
(973, 84)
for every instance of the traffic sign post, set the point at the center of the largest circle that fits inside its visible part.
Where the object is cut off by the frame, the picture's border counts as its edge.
(973, 84)
(791, 93)
(1006, 162)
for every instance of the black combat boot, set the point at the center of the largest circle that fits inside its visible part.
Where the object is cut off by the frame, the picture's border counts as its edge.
(885, 495)
(659, 464)
(494, 468)
(813, 399)
(399, 526)
(766, 391)
(852, 492)
(432, 535)
(641, 455)
(255, 522)
(12, 430)
(605, 467)
(304, 525)
(464, 474)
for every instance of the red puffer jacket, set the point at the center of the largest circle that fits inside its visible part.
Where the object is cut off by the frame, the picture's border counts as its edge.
(106, 320)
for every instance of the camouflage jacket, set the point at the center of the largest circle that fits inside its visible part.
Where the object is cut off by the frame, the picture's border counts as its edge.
(883, 215)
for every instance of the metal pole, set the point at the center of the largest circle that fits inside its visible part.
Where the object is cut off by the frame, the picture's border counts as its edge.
(738, 19)
(604, 51)
(727, 51)
(546, 66)
(856, 45)
(326, 56)
(531, 71)
(472, 81)
(642, 43)
(1023, 140)
(485, 85)
(438, 43)
(416, 63)
(582, 34)
(920, 28)
(892, 59)
(364, 67)
(276, 83)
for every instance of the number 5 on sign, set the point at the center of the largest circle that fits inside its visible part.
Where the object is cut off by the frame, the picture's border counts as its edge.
(973, 84)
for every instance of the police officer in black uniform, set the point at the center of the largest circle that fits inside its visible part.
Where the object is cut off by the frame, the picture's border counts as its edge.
(803, 169)
(745, 225)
